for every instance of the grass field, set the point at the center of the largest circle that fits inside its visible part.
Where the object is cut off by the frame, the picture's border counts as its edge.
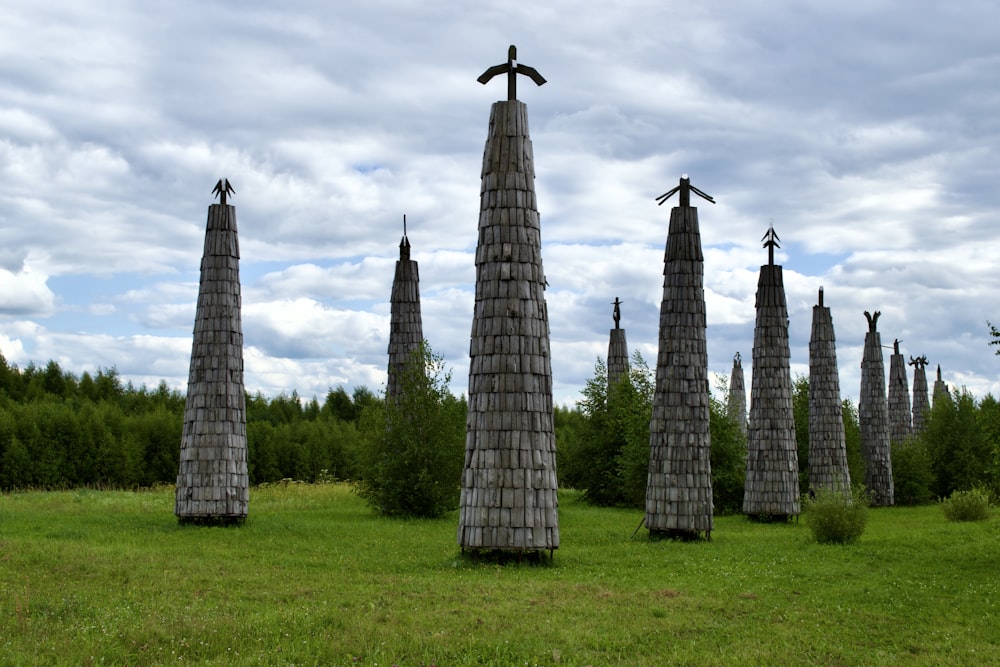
(314, 577)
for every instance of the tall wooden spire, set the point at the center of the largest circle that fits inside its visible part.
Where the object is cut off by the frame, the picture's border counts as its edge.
(679, 486)
(509, 487)
(212, 478)
(772, 477)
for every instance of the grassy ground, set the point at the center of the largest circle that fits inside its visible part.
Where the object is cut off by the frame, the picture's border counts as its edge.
(314, 577)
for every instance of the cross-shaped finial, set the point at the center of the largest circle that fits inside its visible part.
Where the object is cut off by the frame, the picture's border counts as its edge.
(617, 315)
(222, 188)
(771, 239)
(685, 189)
(511, 68)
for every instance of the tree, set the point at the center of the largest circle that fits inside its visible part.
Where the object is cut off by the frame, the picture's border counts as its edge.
(729, 458)
(413, 466)
(610, 463)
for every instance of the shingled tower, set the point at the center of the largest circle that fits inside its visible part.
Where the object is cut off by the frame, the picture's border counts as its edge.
(827, 443)
(618, 366)
(508, 500)
(406, 331)
(873, 419)
(900, 424)
(921, 402)
(212, 478)
(679, 486)
(941, 392)
(736, 407)
(772, 479)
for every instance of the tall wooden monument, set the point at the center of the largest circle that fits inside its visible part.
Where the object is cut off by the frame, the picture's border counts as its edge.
(406, 331)
(679, 485)
(508, 500)
(827, 441)
(212, 479)
(900, 417)
(618, 366)
(921, 401)
(873, 419)
(736, 404)
(772, 477)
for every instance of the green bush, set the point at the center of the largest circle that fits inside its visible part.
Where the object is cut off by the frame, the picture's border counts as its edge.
(837, 517)
(413, 466)
(972, 505)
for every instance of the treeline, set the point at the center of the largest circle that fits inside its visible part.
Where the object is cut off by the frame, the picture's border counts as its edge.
(59, 430)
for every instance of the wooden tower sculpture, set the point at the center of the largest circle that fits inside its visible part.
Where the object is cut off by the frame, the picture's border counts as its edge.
(406, 331)
(873, 419)
(736, 406)
(921, 401)
(941, 392)
(827, 443)
(679, 485)
(900, 417)
(212, 479)
(618, 366)
(772, 479)
(508, 499)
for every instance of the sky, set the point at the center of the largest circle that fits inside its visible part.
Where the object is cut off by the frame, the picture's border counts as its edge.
(867, 132)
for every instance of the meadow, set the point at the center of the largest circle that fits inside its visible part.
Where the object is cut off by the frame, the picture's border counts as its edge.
(314, 577)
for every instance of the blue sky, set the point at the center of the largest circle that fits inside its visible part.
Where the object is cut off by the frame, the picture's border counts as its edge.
(868, 132)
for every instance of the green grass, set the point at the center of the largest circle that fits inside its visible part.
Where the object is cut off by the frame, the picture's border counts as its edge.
(314, 577)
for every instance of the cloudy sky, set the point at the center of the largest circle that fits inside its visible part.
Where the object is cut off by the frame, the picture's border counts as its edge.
(867, 131)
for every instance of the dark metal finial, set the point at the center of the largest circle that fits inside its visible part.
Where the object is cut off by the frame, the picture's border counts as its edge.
(738, 360)
(404, 243)
(895, 346)
(872, 320)
(939, 373)
(919, 362)
(821, 296)
(511, 68)
(617, 315)
(222, 188)
(771, 239)
(685, 189)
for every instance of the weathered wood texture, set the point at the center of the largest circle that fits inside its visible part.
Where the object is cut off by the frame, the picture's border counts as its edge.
(873, 419)
(406, 331)
(212, 479)
(617, 356)
(508, 499)
(921, 402)
(827, 444)
(772, 476)
(736, 406)
(900, 416)
(679, 484)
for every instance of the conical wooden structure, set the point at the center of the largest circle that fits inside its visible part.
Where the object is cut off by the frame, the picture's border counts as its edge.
(921, 402)
(406, 331)
(900, 417)
(772, 480)
(618, 366)
(212, 478)
(679, 486)
(508, 499)
(827, 444)
(736, 405)
(873, 419)
(941, 392)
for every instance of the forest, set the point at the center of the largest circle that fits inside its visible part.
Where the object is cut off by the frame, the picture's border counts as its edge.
(60, 430)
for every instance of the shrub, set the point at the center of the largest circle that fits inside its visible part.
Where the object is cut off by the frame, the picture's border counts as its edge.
(972, 505)
(837, 517)
(413, 466)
